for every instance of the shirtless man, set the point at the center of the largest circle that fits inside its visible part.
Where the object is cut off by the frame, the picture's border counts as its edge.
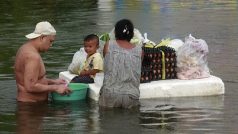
(32, 84)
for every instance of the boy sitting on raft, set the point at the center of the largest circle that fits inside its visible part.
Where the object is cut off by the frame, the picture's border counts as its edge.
(93, 63)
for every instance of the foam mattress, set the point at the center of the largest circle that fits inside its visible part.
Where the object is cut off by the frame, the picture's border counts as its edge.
(165, 88)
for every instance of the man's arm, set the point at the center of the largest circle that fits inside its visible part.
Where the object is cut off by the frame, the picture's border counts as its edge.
(55, 81)
(35, 85)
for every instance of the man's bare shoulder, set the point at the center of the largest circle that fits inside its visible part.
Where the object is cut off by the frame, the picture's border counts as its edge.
(28, 52)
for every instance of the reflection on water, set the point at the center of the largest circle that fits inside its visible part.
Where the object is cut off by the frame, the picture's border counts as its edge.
(182, 114)
(157, 115)
(212, 20)
(64, 117)
(29, 117)
(119, 121)
(164, 118)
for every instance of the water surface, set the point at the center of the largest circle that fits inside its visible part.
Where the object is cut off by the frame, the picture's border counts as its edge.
(215, 21)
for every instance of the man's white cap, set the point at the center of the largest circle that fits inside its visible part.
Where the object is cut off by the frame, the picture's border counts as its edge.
(42, 28)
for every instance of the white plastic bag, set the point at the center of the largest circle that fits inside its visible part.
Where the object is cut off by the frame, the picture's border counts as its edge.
(78, 61)
(98, 79)
(192, 59)
(136, 40)
(148, 43)
(176, 44)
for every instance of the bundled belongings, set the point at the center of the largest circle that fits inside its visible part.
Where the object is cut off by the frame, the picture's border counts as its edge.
(175, 43)
(136, 40)
(159, 63)
(78, 61)
(192, 59)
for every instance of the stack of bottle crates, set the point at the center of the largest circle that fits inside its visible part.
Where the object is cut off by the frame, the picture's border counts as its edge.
(159, 63)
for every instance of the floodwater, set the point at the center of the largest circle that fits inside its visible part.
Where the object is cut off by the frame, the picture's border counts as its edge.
(215, 21)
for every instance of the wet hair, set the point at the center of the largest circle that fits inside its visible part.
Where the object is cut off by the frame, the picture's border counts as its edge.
(124, 30)
(91, 37)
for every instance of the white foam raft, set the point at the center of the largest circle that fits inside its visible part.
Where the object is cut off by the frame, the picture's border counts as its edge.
(166, 88)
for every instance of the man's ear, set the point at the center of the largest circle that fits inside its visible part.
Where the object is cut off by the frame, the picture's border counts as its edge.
(42, 37)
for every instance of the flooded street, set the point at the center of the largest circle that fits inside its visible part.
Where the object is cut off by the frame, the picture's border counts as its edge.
(215, 21)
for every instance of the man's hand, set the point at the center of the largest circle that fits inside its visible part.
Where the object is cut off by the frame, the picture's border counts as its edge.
(59, 81)
(55, 81)
(63, 90)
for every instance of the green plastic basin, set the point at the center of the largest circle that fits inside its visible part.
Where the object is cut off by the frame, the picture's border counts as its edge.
(79, 92)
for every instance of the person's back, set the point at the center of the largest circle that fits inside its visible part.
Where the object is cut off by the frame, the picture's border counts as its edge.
(122, 69)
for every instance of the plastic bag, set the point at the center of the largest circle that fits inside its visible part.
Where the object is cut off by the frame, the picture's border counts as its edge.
(98, 79)
(78, 61)
(102, 40)
(148, 43)
(164, 42)
(136, 40)
(192, 59)
(175, 43)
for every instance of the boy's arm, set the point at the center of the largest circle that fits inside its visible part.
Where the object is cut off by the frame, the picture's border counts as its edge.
(89, 72)
(97, 66)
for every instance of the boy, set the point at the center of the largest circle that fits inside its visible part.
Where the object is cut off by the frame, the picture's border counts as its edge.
(93, 63)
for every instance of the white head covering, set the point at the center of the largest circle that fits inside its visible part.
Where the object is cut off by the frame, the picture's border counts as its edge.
(42, 28)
